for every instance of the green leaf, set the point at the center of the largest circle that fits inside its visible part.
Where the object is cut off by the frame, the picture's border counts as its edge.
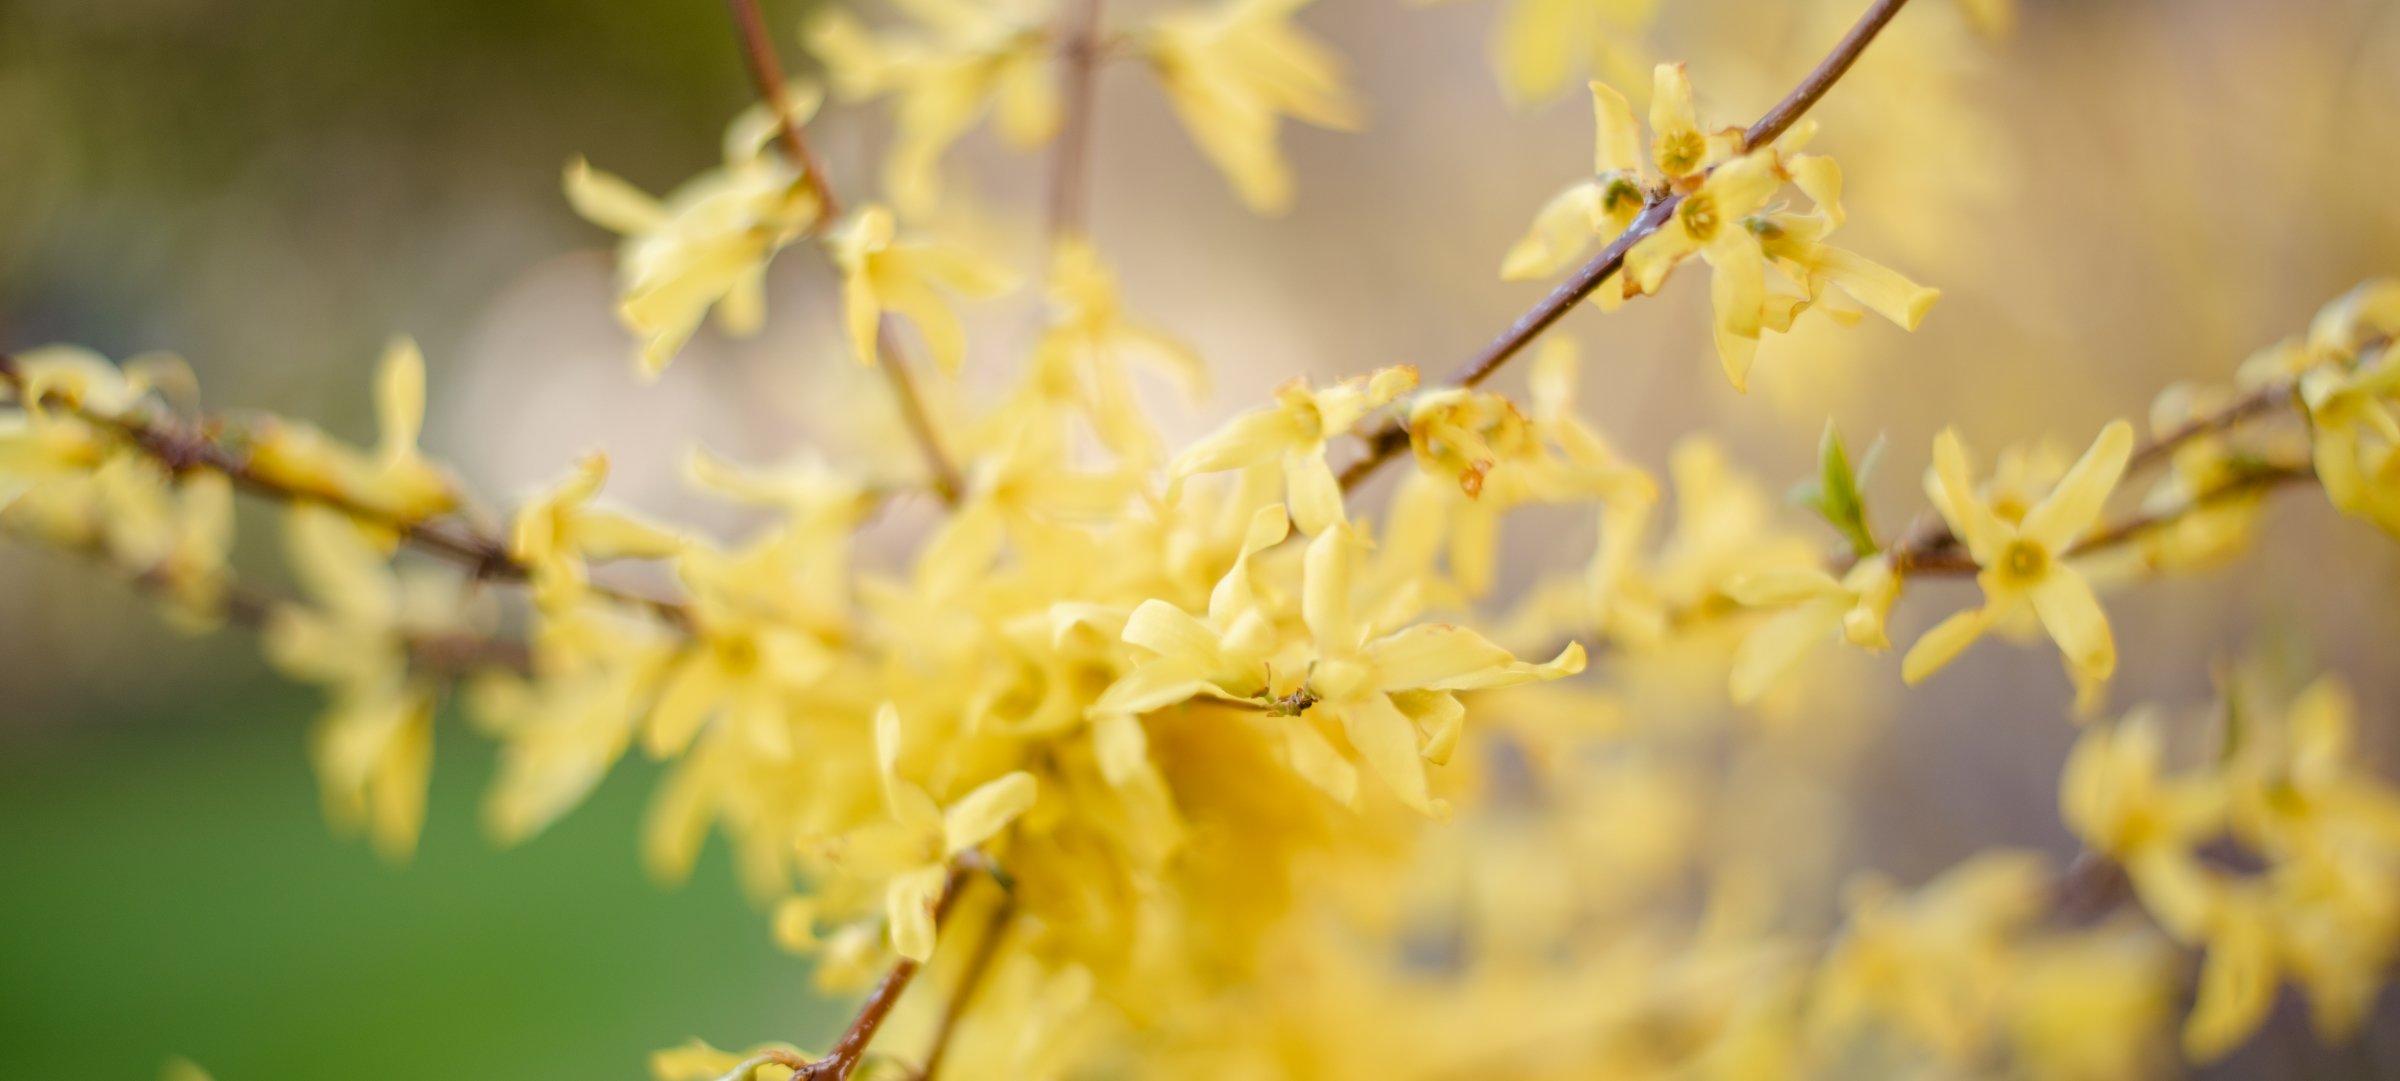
(1834, 494)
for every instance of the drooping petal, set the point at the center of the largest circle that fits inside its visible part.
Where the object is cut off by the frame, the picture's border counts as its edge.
(1617, 142)
(983, 813)
(1943, 644)
(908, 904)
(1432, 653)
(1315, 493)
(1779, 643)
(2075, 620)
(1387, 739)
(1325, 593)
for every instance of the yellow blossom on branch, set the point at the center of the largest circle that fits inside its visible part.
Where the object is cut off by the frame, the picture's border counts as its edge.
(707, 244)
(885, 273)
(1294, 432)
(1232, 70)
(968, 57)
(2024, 564)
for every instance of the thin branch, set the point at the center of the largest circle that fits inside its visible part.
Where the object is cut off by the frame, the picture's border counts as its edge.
(969, 982)
(2260, 399)
(181, 448)
(766, 72)
(1070, 162)
(1387, 442)
(851, 1047)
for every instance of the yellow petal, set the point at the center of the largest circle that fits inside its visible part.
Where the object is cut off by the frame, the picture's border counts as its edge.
(1943, 644)
(1431, 655)
(1778, 644)
(1561, 231)
(1883, 290)
(1325, 593)
(1617, 142)
(400, 397)
(1388, 741)
(1982, 531)
(2071, 508)
(909, 903)
(2237, 987)
(2075, 620)
(1315, 493)
(609, 202)
(983, 813)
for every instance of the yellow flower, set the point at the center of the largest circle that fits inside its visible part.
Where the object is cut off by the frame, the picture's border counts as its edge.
(1380, 687)
(883, 273)
(1294, 431)
(1709, 223)
(1232, 71)
(1541, 44)
(1936, 965)
(709, 242)
(1853, 608)
(2024, 564)
(373, 749)
(970, 58)
(2116, 797)
(745, 662)
(1081, 358)
(1592, 211)
(913, 849)
(559, 533)
(395, 479)
(2355, 434)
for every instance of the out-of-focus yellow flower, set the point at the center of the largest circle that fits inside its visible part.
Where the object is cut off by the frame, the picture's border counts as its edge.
(744, 663)
(1937, 964)
(1852, 608)
(2355, 436)
(395, 479)
(1232, 71)
(1294, 431)
(2114, 794)
(373, 748)
(882, 272)
(559, 533)
(913, 849)
(1380, 687)
(2091, 1006)
(1081, 358)
(1709, 223)
(2024, 564)
(972, 56)
(1591, 211)
(707, 244)
(697, 1061)
(1541, 44)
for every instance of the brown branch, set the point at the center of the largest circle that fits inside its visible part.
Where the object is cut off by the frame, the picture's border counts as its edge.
(1070, 159)
(1386, 442)
(758, 51)
(2260, 399)
(843, 1059)
(182, 448)
(766, 73)
(252, 608)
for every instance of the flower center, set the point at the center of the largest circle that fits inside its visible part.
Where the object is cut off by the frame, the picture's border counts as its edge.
(1699, 214)
(2024, 561)
(1680, 152)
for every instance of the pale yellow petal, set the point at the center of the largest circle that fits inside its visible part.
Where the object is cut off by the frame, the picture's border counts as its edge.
(1943, 644)
(981, 814)
(908, 905)
(2075, 504)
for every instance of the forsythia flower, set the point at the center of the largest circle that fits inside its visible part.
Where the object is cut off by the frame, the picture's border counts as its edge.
(973, 55)
(1294, 431)
(1232, 70)
(1541, 44)
(395, 480)
(2024, 564)
(915, 847)
(373, 749)
(1597, 210)
(559, 533)
(707, 244)
(1854, 607)
(883, 273)
(1382, 687)
(1081, 358)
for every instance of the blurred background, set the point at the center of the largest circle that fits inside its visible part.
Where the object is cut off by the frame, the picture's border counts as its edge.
(2120, 195)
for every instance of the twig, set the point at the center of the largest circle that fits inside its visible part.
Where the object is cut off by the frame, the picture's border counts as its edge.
(1388, 441)
(969, 982)
(184, 448)
(758, 50)
(839, 1062)
(766, 72)
(1071, 155)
